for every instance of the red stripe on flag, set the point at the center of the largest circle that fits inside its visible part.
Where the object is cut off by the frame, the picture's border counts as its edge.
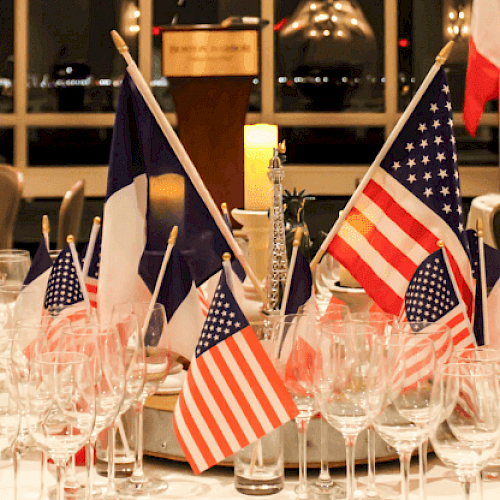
(236, 391)
(221, 402)
(203, 408)
(386, 298)
(463, 287)
(381, 244)
(253, 382)
(272, 375)
(394, 211)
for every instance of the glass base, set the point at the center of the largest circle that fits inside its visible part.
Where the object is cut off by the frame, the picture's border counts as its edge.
(75, 492)
(381, 492)
(145, 489)
(323, 490)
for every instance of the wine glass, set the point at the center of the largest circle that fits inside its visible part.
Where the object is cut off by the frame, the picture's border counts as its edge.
(20, 304)
(412, 401)
(61, 412)
(324, 487)
(126, 321)
(10, 415)
(440, 334)
(350, 383)
(385, 325)
(295, 340)
(467, 435)
(14, 266)
(153, 323)
(104, 350)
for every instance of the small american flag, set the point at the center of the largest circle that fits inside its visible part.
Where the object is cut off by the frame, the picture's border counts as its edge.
(411, 201)
(92, 277)
(232, 394)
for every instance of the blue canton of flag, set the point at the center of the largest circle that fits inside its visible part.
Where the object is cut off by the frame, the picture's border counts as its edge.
(300, 286)
(409, 203)
(431, 297)
(40, 264)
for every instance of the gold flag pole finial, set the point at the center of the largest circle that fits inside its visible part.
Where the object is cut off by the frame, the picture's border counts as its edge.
(440, 243)
(119, 42)
(45, 224)
(298, 237)
(282, 147)
(226, 257)
(173, 235)
(70, 239)
(97, 220)
(479, 228)
(445, 52)
(223, 207)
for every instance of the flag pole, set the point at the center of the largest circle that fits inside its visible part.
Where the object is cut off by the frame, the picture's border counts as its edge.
(484, 285)
(46, 231)
(90, 247)
(76, 262)
(181, 153)
(441, 245)
(293, 259)
(440, 60)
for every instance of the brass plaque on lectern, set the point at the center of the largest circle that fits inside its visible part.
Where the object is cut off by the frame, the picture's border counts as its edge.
(210, 53)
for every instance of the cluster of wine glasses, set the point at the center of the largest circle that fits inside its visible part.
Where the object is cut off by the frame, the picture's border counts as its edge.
(67, 378)
(406, 382)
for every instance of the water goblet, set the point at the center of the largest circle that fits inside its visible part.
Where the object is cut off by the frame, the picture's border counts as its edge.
(467, 434)
(349, 383)
(440, 334)
(324, 487)
(61, 412)
(14, 266)
(412, 401)
(153, 324)
(104, 350)
(295, 339)
(126, 321)
(385, 325)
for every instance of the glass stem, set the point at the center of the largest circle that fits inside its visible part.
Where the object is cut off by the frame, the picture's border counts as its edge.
(325, 479)
(479, 482)
(371, 461)
(110, 490)
(465, 486)
(350, 445)
(138, 474)
(43, 471)
(405, 459)
(302, 425)
(15, 467)
(60, 478)
(89, 463)
(422, 468)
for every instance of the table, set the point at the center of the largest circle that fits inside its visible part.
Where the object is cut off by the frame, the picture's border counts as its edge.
(217, 483)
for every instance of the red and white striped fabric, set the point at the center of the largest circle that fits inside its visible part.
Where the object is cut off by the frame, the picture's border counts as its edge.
(232, 394)
(483, 67)
(386, 236)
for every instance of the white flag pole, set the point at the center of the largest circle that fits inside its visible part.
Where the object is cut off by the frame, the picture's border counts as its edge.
(76, 262)
(440, 60)
(184, 158)
(484, 285)
(90, 247)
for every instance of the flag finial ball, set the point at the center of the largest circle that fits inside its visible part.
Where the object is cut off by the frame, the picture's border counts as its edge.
(226, 256)
(70, 239)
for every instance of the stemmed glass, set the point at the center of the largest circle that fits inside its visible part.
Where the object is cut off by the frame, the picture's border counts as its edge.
(10, 415)
(61, 413)
(467, 435)
(412, 401)
(20, 304)
(385, 325)
(350, 384)
(295, 341)
(153, 324)
(104, 350)
(135, 373)
(324, 487)
(440, 335)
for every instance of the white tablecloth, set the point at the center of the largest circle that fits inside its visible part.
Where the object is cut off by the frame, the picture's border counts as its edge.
(217, 483)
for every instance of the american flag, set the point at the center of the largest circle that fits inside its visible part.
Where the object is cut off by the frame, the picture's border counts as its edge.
(232, 394)
(410, 203)
(92, 277)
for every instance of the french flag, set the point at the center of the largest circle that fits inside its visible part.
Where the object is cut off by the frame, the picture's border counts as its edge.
(483, 67)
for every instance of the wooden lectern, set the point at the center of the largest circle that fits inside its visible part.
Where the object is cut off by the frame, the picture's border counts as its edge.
(211, 68)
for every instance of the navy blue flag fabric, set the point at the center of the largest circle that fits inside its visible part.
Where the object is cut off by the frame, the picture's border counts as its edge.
(301, 285)
(140, 147)
(432, 296)
(41, 262)
(492, 265)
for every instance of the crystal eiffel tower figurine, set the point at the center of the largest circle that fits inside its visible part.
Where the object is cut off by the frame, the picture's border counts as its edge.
(278, 263)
